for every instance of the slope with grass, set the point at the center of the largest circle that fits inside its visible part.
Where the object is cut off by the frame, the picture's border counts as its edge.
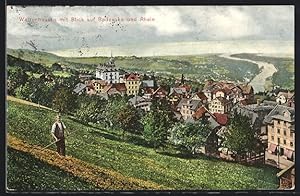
(102, 179)
(27, 173)
(102, 148)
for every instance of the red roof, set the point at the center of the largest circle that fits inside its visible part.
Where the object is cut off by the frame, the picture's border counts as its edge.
(120, 87)
(90, 86)
(243, 102)
(132, 76)
(225, 90)
(187, 87)
(200, 112)
(148, 90)
(160, 90)
(201, 95)
(222, 119)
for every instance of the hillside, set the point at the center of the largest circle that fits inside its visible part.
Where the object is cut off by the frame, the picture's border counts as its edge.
(198, 67)
(27, 173)
(103, 148)
(87, 174)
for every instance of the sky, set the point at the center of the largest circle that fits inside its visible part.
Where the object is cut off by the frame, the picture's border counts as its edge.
(52, 28)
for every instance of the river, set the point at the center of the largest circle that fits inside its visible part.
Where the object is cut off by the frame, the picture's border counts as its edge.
(259, 80)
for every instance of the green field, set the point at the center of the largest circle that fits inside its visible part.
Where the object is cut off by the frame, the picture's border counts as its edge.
(26, 173)
(103, 148)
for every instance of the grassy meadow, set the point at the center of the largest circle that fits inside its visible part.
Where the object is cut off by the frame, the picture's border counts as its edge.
(104, 148)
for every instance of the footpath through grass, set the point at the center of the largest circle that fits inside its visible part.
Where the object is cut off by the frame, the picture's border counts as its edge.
(102, 148)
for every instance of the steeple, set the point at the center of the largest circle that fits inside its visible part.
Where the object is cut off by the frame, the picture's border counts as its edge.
(111, 60)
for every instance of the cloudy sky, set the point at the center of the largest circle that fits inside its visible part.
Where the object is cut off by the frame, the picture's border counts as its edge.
(44, 29)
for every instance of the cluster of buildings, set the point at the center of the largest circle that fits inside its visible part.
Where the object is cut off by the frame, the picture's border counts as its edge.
(274, 121)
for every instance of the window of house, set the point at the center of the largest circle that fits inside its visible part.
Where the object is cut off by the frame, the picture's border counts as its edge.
(272, 137)
(278, 140)
(129, 92)
(284, 132)
(284, 141)
(278, 131)
(291, 144)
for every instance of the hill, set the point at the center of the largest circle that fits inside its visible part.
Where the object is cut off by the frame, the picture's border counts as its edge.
(86, 176)
(27, 173)
(103, 148)
(197, 67)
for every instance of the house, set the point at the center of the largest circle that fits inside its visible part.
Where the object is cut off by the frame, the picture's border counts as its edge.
(84, 77)
(283, 97)
(220, 105)
(97, 84)
(291, 102)
(132, 83)
(228, 90)
(247, 92)
(147, 84)
(176, 94)
(187, 107)
(237, 94)
(177, 115)
(115, 89)
(287, 178)
(216, 122)
(256, 113)
(160, 93)
(222, 92)
(79, 88)
(140, 102)
(90, 89)
(108, 72)
(199, 96)
(148, 92)
(280, 124)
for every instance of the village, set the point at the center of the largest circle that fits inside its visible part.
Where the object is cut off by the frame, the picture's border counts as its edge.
(273, 120)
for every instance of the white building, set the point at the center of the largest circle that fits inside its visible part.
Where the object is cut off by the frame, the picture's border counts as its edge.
(108, 72)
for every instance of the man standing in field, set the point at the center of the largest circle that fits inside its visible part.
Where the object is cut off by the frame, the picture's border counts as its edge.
(58, 133)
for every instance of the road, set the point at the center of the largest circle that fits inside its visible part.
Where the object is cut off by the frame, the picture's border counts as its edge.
(259, 80)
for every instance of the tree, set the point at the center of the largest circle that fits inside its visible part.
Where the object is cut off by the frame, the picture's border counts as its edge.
(91, 109)
(113, 106)
(16, 77)
(128, 119)
(36, 91)
(191, 135)
(156, 125)
(240, 137)
(56, 67)
(64, 101)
